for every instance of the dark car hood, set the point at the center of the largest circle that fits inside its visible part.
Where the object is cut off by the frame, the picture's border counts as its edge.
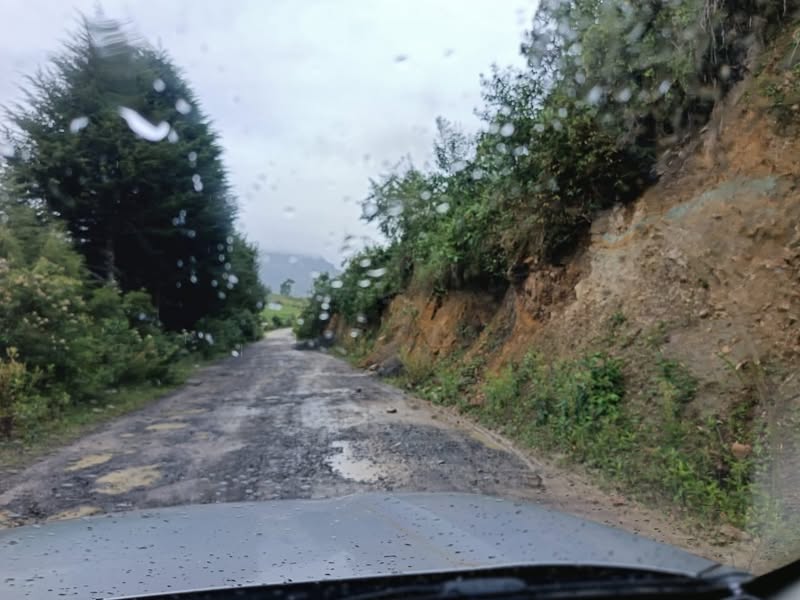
(220, 545)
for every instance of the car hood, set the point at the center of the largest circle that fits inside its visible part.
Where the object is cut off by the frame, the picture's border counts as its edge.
(223, 545)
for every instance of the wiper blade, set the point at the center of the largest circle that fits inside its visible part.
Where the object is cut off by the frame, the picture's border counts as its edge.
(513, 588)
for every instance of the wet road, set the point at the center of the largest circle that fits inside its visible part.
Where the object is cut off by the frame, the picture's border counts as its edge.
(274, 422)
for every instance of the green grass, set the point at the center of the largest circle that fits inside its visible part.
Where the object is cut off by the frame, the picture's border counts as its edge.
(282, 311)
(78, 420)
(583, 410)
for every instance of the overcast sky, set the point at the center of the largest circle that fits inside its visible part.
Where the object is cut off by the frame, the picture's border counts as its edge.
(310, 97)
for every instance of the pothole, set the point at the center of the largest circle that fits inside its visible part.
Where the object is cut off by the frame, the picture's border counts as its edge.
(345, 464)
(90, 460)
(125, 480)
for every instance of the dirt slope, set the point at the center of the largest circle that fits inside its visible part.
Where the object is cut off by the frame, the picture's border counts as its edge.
(704, 269)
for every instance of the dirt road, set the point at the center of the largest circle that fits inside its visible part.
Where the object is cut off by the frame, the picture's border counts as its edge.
(277, 422)
(272, 423)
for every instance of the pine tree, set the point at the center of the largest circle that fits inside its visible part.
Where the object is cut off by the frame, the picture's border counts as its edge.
(112, 138)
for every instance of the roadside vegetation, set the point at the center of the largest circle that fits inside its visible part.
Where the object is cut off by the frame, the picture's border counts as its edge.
(609, 88)
(119, 261)
(281, 311)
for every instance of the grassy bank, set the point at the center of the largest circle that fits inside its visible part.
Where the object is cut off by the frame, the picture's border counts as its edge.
(282, 311)
(630, 423)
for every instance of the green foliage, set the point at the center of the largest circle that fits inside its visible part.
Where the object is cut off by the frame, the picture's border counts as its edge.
(152, 214)
(64, 339)
(282, 311)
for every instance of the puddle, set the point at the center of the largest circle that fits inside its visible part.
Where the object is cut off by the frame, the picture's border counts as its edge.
(124, 480)
(345, 464)
(165, 426)
(90, 460)
(84, 510)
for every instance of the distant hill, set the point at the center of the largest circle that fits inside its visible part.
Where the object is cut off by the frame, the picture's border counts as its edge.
(277, 267)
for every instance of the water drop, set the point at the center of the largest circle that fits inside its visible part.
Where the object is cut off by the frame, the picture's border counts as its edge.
(459, 165)
(234, 354)
(477, 174)
(663, 88)
(323, 316)
(193, 278)
(192, 158)
(377, 272)
(365, 262)
(624, 95)
(354, 333)
(77, 124)
(6, 150)
(426, 195)
(521, 151)
(197, 183)
(507, 129)
(361, 319)
(364, 283)
(233, 279)
(505, 110)
(336, 284)
(221, 295)
(179, 263)
(595, 95)
(142, 127)
(159, 85)
(442, 208)
(562, 113)
(214, 283)
(182, 106)
(300, 320)
(172, 136)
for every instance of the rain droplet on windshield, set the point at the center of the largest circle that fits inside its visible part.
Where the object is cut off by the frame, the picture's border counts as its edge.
(361, 318)
(426, 195)
(172, 136)
(376, 272)
(365, 262)
(477, 174)
(159, 85)
(182, 106)
(364, 283)
(323, 316)
(507, 129)
(354, 333)
(197, 183)
(595, 95)
(442, 208)
(142, 127)
(78, 123)
(336, 284)
(192, 158)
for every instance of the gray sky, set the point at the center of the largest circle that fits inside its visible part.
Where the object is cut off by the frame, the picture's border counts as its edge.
(310, 97)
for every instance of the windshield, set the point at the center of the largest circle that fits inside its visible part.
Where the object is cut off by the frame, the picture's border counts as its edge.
(543, 252)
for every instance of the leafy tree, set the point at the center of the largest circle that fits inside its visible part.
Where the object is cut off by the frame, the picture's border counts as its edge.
(112, 138)
(286, 287)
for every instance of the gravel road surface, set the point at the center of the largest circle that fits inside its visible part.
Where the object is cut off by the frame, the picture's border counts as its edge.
(274, 422)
